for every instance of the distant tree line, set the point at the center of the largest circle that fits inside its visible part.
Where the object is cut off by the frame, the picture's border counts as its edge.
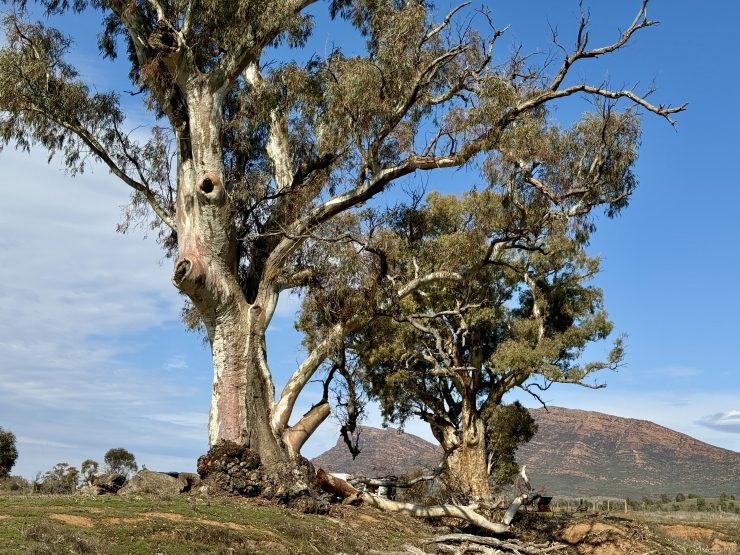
(690, 502)
(62, 478)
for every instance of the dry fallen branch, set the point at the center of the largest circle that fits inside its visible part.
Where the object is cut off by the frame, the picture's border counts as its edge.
(379, 482)
(467, 513)
(346, 491)
(512, 546)
(336, 486)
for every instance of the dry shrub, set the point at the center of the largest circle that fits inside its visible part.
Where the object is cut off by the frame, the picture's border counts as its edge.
(15, 485)
(55, 539)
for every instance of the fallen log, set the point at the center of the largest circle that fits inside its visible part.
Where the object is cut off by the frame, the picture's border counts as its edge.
(342, 488)
(467, 513)
(336, 486)
(349, 494)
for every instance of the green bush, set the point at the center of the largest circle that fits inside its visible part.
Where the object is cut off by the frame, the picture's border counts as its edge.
(8, 452)
(120, 461)
(60, 479)
(14, 484)
(88, 469)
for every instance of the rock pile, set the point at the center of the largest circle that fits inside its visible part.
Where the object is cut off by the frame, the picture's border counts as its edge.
(235, 469)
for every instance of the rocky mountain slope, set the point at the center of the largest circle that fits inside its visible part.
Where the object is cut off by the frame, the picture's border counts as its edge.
(383, 453)
(595, 453)
(574, 452)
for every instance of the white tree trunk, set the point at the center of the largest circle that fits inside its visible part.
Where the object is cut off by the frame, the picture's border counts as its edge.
(243, 392)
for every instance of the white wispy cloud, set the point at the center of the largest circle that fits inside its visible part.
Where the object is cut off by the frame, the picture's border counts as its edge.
(23, 440)
(176, 363)
(72, 291)
(723, 421)
(678, 371)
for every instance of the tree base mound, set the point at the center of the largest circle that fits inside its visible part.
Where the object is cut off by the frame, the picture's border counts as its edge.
(235, 469)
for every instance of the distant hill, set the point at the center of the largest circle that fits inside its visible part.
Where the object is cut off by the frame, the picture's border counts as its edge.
(594, 453)
(574, 452)
(384, 452)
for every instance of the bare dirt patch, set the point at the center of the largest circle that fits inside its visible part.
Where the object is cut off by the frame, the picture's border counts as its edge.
(141, 517)
(73, 520)
(229, 525)
(367, 518)
(123, 520)
(578, 532)
(172, 517)
(600, 538)
(684, 532)
(721, 546)
(4, 517)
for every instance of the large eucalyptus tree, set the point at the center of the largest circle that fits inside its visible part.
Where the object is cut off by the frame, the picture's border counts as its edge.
(269, 155)
(518, 313)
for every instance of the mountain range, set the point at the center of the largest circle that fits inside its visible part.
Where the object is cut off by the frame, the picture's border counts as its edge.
(574, 452)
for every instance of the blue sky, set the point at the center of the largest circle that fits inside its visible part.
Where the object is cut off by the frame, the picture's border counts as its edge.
(92, 354)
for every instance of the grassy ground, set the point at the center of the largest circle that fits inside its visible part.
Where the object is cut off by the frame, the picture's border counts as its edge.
(112, 525)
(691, 533)
(637, 532)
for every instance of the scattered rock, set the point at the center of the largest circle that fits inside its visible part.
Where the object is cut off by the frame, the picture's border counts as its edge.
(90, 490)
(110, 482)
(148, 482)
(188, 481)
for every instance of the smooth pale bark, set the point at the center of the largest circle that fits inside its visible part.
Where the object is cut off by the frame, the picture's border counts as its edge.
(243, 392)
(296, 435)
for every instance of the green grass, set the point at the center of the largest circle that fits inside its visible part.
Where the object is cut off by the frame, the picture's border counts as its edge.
(183, 525)
(113, 525)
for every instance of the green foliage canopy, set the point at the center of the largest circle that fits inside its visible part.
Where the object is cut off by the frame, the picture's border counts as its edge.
(8, 452)
(302, 148)
(120, 461)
